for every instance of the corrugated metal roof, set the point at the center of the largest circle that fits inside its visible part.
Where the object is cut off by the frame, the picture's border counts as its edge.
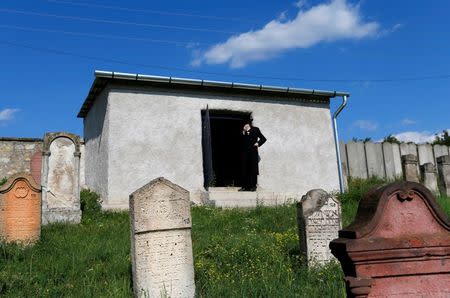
(103, 77)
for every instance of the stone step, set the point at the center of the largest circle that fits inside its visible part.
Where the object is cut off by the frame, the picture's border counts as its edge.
(231, 195)
(225, 188)
(231, 198)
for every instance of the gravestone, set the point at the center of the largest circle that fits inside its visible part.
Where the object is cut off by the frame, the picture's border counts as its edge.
(409, 164)
(397, 246)
(429, 177)
(319, 220)
(161, 245)
(61, 178)
(392, 161)
(20, 210)
(444, 174)
(375, 160)
(357, 165)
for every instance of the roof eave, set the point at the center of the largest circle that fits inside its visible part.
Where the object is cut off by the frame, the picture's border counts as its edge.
(102, 77)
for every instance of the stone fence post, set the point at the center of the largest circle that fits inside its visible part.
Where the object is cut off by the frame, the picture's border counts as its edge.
(429, 177)
(444, 174)
(409, 164)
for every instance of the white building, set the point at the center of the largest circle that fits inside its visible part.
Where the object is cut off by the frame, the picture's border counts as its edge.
(137, 128)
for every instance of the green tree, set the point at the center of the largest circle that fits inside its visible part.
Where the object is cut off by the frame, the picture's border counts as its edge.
(361, 140)
(391, 139)
(442, 139)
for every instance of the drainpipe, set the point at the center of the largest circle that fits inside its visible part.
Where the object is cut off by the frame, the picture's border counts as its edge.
(336, 141)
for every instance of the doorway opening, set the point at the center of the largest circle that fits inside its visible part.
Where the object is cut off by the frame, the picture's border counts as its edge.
(222, 131)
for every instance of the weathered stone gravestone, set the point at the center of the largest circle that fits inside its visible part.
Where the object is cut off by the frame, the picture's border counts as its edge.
(61, 178)
(409, 164)
(161, 245)
(319, 220)
(397, 246)
(20, 210)
(429, 177)
(444, 174)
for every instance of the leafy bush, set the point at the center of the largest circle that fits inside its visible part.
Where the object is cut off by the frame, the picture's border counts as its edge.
(90, 202)
(442, 139)
(3, 181)
(357, 188)
(391, 139)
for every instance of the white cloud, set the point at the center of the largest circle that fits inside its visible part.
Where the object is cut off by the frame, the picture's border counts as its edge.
(415, 136)
(300, 3)
(393, 29)
(407, 121)
(282, 16)
(396, 27)
(7, 114)
(365, 125)
(326, 22)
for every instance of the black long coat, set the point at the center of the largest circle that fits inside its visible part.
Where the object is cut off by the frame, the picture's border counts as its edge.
(249, 151)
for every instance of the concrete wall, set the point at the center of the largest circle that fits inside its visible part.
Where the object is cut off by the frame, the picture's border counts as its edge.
(384, 159)
(24, 155)
(150, 133)
(16, 155)
(375, 160)
(356, 157)
(392, 160)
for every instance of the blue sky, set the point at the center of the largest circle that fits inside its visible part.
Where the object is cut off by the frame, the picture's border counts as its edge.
(392, 56)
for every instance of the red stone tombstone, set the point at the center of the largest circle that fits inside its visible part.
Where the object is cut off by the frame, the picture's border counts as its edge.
(20, 210)
(397, 246)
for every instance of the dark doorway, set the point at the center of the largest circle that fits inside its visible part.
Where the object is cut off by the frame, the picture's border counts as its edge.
(224, 160)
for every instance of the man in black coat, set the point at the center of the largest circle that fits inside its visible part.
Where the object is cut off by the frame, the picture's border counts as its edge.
(252, 138)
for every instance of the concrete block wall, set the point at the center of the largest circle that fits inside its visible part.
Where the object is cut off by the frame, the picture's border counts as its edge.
(356, 157)
(24, 155)
(383, 160)
(20, 155)
(392, 161)
(375, 160)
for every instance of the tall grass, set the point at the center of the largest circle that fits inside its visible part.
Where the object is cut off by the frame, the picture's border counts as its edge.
(90, 259)
(357, 188)
(237, 253)
(444, 202)
(255, 253)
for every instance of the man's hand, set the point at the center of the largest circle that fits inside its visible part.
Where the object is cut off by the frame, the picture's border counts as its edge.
(256, 145)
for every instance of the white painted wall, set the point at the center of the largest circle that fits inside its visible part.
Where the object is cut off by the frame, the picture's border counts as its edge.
(82, 166)
(143, 134)
(96, 135)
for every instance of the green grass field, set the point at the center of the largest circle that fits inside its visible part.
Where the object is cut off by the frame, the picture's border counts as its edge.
(237, 253)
